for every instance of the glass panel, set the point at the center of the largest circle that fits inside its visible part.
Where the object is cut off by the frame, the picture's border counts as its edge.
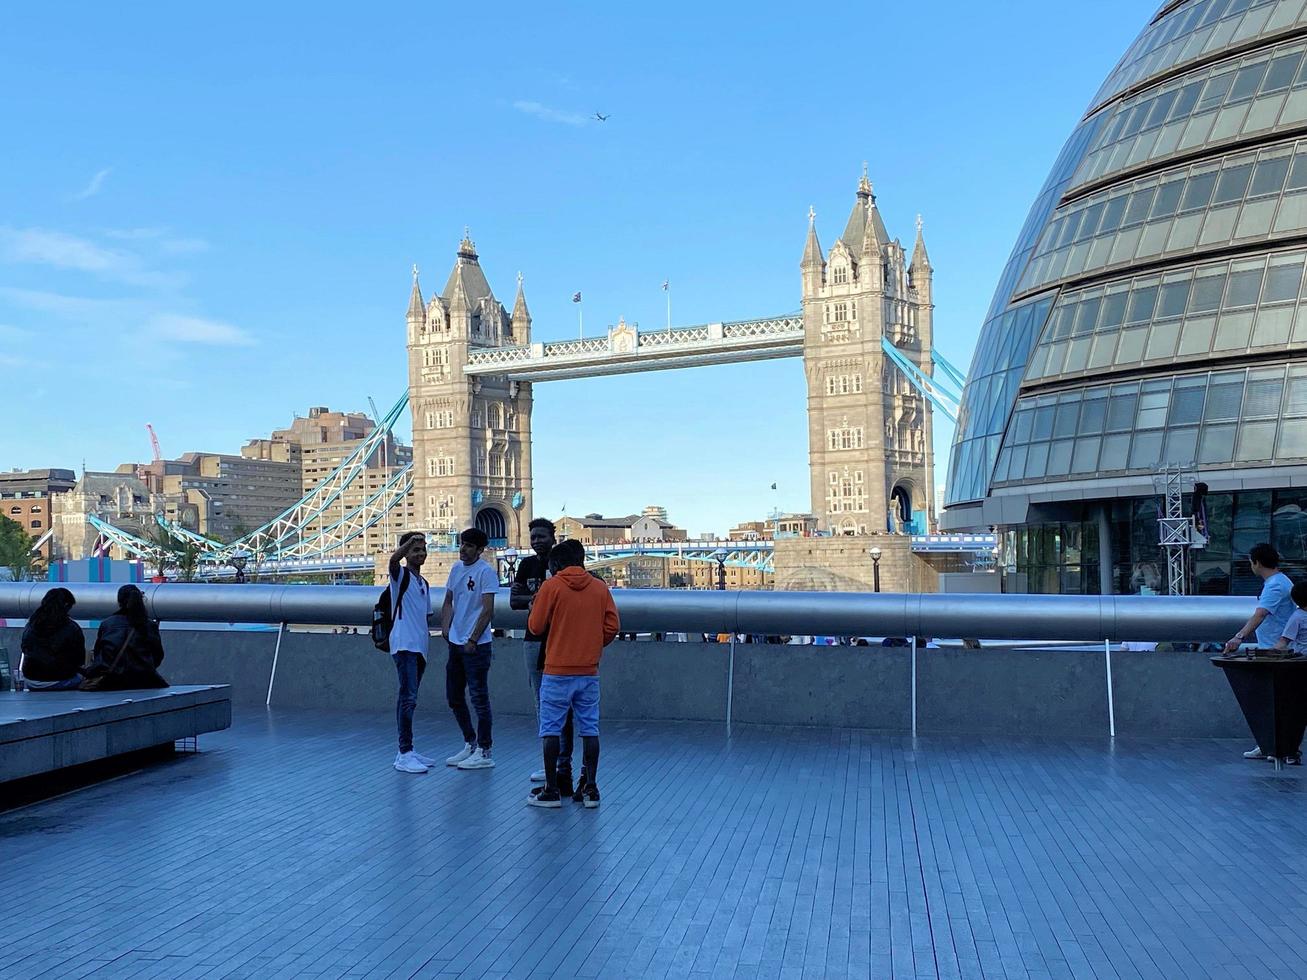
(1146, 451)
(1154, 401)
(1121, 408)
(1283, 279)
(1232, 331)
(1043, 427)
(1209, 286)
(1233, 184)
(1224, 397)
(1245, 284)
(1187, 401)
(1270, 174)
(1181, 445)
(1262, 398)
(1143, 300)
(1256, 441)
(1085, 458)
(1037, 460)
(1196, 335)
(1162, 340)
(1093, 413)
(1174, 296)
(1217, 444)
(1272, 327)
(1059, 458)
(1114, 452)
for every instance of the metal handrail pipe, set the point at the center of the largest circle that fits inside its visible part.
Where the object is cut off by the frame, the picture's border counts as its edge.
(999, 617)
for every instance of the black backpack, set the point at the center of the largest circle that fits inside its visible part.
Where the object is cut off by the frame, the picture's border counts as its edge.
(383, 619)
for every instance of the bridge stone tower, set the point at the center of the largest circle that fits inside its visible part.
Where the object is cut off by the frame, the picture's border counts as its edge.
(471, 435)
(869, 429)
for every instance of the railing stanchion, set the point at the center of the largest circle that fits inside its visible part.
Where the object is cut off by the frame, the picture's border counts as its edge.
(730, 683)
(276, 652)
(1111, 701)
(914, 687)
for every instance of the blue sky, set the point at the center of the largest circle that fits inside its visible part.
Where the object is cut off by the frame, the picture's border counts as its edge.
(208, 214)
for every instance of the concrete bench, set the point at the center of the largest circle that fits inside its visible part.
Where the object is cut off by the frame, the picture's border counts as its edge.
(42, 732)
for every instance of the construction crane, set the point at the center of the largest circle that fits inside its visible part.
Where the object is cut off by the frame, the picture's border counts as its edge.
(154, 443)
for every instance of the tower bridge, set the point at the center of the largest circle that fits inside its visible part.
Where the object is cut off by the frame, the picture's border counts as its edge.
(864, 332)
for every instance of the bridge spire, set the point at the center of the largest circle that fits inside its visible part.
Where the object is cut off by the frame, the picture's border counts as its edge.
(521, 316)
(416, 308)
(812, 258)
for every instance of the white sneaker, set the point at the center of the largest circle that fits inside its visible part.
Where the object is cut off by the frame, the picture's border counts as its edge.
(408, 762)
(538, 776)
(1255, 753)
(455, 760)
(427, 761)
(480, 759)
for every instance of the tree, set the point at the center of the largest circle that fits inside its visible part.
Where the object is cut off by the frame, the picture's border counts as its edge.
(188, 560)
(16, 551)
(165, 552)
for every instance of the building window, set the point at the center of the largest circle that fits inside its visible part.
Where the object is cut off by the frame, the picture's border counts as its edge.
(841, 312)
(15, 510)
(36, 508)
(431, 420)
(494, 416)
(841, 275)
(496, 464)
(36, 524)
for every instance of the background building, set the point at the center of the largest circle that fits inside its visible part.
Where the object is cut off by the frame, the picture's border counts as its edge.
(27, 497)
(596, 529)
(1152, 312)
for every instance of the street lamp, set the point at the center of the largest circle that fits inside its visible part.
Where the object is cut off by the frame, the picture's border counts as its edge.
(238, 562)
(875, 568)
(720, 557)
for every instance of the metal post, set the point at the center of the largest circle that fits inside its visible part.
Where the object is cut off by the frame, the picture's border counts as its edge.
(281, 630)
(730, 684)
(1111, 704)
(914, 686)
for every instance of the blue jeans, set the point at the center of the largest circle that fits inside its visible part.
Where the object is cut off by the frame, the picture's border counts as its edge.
(565, 696)
(470, 672)
(410, 667)
(567, 742)
(71, 684)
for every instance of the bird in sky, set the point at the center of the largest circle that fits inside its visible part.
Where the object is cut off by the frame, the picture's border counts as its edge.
(601, 117)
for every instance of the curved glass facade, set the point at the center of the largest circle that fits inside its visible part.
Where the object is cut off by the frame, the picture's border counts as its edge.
(1153, 311)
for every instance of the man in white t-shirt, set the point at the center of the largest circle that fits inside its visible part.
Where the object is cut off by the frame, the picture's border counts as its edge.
(465, 621)
(1274, 607)
(410, 641)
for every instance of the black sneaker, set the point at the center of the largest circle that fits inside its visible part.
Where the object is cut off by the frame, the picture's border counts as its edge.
(579, 795)
(544, 796)
(590, 796)
(1293, 760)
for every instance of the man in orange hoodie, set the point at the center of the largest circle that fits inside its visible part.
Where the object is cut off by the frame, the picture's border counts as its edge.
(578, 612)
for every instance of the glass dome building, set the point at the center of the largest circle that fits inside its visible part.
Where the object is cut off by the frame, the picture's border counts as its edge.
(1154, 311)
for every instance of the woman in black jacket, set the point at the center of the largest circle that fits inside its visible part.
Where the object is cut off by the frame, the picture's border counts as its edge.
(54, 649)
(128, 650)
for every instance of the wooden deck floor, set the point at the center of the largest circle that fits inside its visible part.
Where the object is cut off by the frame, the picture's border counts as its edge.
(289, 847)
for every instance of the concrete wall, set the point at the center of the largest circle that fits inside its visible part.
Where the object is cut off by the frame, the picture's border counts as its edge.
(989, 691)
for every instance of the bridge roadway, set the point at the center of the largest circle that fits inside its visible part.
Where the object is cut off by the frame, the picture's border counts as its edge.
(627, 350)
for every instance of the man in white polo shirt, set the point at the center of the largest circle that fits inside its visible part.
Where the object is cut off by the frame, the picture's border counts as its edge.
(465, 621)
(410, 640)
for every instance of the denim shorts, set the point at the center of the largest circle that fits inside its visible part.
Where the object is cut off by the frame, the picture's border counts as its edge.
(558, 692)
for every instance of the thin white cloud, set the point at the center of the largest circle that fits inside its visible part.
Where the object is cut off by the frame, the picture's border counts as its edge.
(72, 307)
(550, 114)
(8, 332)
(40, 246)
(163, 238)
(198, 330)
(92, 188)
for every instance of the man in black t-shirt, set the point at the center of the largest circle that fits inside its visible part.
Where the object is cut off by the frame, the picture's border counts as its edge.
(531, 574)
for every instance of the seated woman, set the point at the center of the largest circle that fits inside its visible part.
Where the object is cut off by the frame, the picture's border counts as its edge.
(54, 649)
(128, 650)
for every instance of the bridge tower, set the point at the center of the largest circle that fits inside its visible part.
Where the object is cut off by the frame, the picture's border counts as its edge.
(471, 435)
(869, 430)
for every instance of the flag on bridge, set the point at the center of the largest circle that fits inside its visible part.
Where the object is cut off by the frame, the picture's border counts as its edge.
(576, 297)
(667, 283)
(773, 486)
